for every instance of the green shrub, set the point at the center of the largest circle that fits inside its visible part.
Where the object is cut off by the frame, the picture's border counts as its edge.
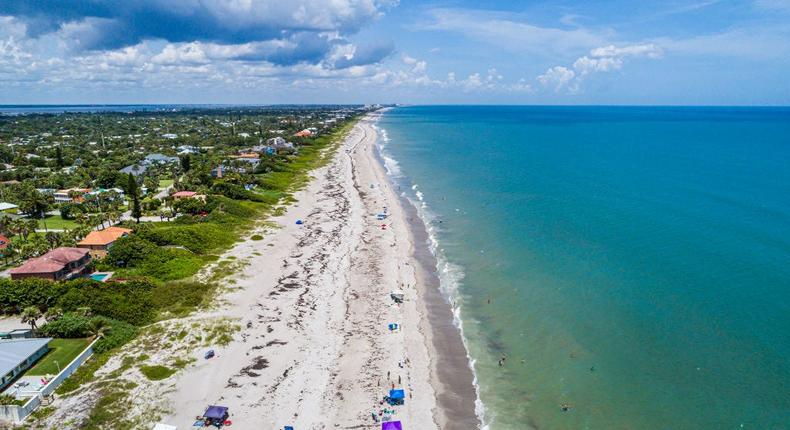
(130, 251)
(256, 237)
(170, 265)
(119, 334)
(157, 372)
(180, 297)
(8, 399)
(128, 301)
(70, 325)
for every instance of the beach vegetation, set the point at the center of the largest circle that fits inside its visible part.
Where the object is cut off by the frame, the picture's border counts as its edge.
(157, 372)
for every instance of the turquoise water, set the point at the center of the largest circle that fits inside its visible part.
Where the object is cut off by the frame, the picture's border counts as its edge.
(99, 276)
(637, 260)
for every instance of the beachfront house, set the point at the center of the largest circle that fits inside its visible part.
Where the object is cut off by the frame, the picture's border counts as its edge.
(57, 264)
(99, 242)
(18, 355)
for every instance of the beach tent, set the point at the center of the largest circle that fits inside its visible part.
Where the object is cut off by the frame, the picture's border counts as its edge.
(299, 222)
(160, 426)
(397, 397)
(216, 414)
(391, 425)
(393, 326)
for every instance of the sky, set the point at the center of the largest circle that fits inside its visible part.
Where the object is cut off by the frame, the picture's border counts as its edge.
(699, 52)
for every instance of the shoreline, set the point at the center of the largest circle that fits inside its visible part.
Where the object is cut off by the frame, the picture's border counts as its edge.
(453, 380)
(299, 328)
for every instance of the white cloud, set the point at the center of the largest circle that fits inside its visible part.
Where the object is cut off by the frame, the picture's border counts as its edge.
(558, 77)
(508, 31)
(602, 59)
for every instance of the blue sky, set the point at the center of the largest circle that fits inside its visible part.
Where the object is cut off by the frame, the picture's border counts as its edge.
(731, 52)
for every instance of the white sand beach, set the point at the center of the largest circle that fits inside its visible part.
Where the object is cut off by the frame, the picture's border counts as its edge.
(314, 350)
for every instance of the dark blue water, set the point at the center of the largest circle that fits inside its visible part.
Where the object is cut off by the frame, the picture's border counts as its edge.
(637, 260)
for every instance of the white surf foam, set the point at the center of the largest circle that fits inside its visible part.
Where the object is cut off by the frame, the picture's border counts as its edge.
(450, 275)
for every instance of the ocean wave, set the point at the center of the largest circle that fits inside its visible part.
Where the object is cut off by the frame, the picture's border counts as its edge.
(450, 275)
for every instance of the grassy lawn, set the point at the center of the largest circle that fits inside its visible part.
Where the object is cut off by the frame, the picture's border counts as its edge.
(164, 183)
(62, 351)
(56, 222)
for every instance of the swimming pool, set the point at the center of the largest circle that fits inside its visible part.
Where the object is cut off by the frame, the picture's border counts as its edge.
(100, 276)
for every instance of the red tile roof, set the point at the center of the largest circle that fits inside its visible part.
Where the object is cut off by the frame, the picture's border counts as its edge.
(4, 242)
(51, 262)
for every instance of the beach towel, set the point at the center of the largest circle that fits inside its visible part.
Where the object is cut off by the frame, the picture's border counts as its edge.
(391, 425)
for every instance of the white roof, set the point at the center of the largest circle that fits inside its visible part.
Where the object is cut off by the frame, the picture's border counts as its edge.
(6, 206)
(14, 351)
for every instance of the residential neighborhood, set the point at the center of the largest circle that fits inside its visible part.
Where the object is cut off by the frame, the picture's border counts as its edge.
(105, 218)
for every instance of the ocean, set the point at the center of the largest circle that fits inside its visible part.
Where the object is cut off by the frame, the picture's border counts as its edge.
(631, 264)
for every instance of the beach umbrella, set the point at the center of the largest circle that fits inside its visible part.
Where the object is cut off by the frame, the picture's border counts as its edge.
(391, 425)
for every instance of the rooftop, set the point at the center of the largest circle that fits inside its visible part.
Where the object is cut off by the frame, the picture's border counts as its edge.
(14, 351)
(184, 194)
(52, 261)
(104, 237)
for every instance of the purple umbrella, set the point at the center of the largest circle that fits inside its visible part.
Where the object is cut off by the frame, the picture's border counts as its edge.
(391, 425)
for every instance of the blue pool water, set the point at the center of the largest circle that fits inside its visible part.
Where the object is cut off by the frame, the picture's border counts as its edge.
(637, 260)
(99, 276)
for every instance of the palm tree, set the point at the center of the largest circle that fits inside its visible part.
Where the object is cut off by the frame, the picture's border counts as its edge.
(99, 327)
(35, 204)
(115, 216)
(52, 314)
(32, 225)
(30, 315)
(52, 238)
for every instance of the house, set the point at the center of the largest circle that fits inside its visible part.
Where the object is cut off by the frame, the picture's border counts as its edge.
(222, 169)
(170, 136)
(278, 143)
(159, 159)
(99, 242)
(183, 195)
(18, 355)
(134, 169)
(63, 196)
(57, 264)
(303, 133)
(119, 194)
(8, 207)
(187, 149)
